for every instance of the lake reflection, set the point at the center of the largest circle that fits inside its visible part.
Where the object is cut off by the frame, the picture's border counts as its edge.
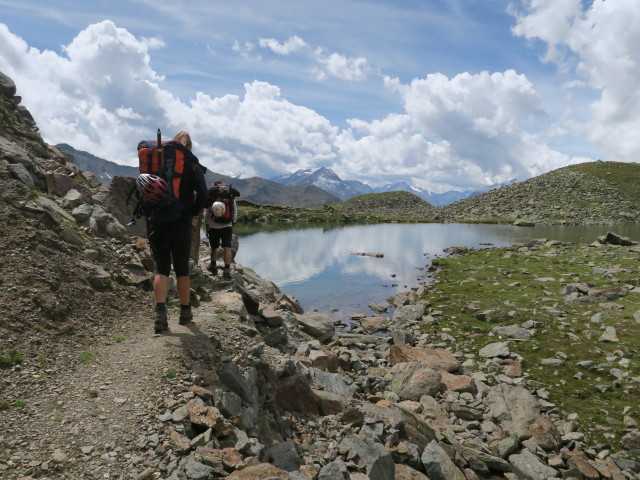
(319, 266)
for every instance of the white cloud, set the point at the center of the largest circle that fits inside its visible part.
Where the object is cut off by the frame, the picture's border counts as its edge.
(603, 40)
(103, 96)
(243, 49)
(292, 45)
(341, 66)
(469, 130)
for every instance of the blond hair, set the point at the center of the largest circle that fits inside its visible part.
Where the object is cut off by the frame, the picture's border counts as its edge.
(184, 138)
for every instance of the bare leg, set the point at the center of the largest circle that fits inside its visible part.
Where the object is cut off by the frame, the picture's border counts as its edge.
(184, 292)
(160, 288)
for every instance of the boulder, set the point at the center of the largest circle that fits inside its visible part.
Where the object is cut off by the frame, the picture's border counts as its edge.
(436, 358)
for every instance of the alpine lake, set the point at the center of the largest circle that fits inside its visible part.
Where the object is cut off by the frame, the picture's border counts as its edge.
(342, 269)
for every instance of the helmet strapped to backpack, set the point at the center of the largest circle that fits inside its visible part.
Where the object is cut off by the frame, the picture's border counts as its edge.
(152, 189)
(218, 209)
(221, 202)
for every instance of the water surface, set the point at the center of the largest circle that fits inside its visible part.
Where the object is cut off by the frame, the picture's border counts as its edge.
(319, 267)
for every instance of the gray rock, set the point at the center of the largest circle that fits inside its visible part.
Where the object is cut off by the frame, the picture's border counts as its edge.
(20, 172)
(45, 205)
(333, 471)
(378, 460)
(498, 349)
(7, 86)
(599, 317)
(513, 408)
(408, 314)
(631, 441)
(195, 470)
(317, 325)
(529, 467)
(228, 403)
(438, 464)
(234, 379)
(276, 337)
(332, 382)
(515, 333)
(82, 212)
(70, 236)
(284, 455)
(402, 337)
(412, 380)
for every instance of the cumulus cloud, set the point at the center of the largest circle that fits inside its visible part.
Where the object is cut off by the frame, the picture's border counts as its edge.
(101, 95)
(292, 45)
(600, 42)
(341, 66)
(468, 130)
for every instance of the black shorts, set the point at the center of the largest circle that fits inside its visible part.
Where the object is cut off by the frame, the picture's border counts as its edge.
(220, 236)
(171, 243)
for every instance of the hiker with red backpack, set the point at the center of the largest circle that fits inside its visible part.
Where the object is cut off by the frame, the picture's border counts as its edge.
(171, 191)
(219, 217)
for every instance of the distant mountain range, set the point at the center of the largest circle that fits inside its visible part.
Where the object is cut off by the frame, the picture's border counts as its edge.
(303, 188)
(328, 180)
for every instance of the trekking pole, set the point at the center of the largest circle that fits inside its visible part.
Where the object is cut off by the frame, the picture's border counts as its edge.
(160, 162)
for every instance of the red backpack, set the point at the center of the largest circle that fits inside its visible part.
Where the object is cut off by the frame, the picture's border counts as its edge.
(165, 160)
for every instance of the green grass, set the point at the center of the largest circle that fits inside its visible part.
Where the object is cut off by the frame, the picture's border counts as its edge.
(625, 176)
(119, 338)
(527, 285)
(20, 403)
(171, 373)
(11, 358)
(87, 357)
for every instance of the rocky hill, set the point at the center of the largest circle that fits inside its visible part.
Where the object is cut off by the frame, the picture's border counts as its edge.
(253, 388)
(587, 194)
(398, 204)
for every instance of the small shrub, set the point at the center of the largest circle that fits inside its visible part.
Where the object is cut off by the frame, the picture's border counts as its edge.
(42, 360)
(20, 403)
(119, 338)
(171, 373)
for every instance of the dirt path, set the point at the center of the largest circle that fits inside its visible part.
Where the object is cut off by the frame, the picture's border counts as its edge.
(92, 413)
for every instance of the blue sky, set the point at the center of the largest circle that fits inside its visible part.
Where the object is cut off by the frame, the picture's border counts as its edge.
(442, 94)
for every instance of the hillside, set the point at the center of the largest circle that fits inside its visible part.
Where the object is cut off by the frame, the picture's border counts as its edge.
(588, 194)
(398, 204)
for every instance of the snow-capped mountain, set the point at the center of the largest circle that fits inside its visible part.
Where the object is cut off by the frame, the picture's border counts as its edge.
(323, 178)
(326, 179)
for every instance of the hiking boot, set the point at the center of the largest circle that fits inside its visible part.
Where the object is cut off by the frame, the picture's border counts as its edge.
(162, 324)
(213, 269)
(226, 274)
(185, 315)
